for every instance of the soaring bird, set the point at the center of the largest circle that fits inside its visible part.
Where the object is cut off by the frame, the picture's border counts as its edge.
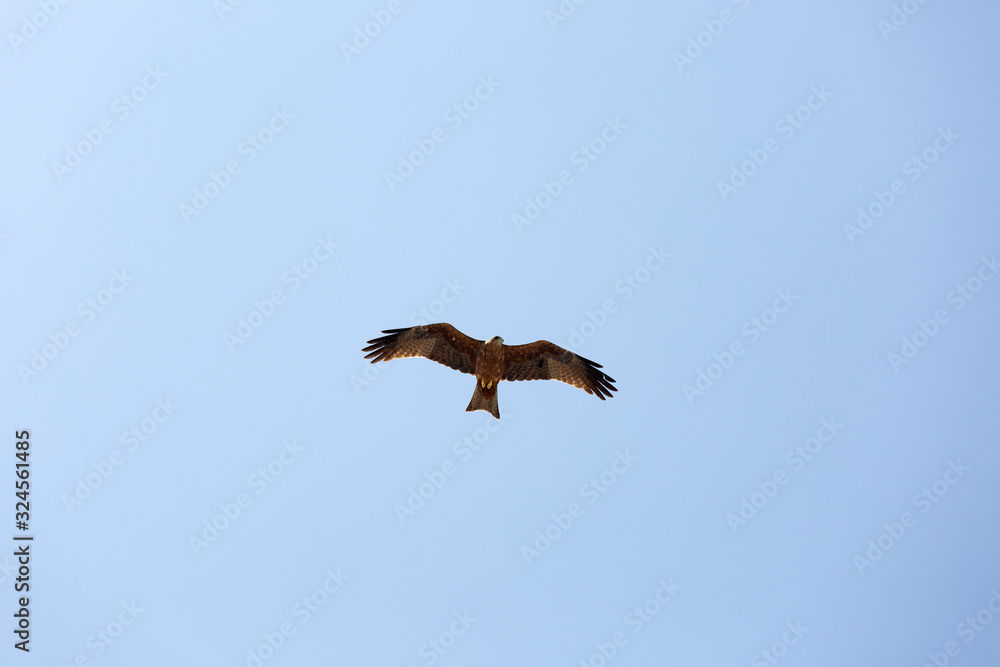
(491, 361)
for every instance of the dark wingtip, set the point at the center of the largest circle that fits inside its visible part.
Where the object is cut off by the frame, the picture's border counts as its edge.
(377, 346)
(601, 382)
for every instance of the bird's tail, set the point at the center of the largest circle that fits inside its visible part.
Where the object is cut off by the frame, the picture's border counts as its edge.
(483, 400)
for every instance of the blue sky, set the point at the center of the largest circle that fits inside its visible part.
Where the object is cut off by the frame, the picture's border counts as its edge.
(772, 223)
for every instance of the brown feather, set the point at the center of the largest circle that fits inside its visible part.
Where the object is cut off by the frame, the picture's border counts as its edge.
(543, 360)
(442, 343)
(491, 361)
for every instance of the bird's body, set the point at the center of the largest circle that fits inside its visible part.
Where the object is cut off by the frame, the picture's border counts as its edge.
(491, 361)
(489, 372)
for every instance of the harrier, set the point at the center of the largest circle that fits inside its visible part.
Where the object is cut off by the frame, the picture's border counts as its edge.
(491, 361)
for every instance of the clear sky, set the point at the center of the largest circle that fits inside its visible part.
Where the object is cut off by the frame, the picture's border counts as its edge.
(773, 223)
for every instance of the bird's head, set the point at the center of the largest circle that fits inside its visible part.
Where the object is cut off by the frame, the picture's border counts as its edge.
(496, 340)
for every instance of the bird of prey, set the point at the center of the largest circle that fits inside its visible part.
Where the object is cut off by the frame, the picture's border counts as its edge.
(491, 361)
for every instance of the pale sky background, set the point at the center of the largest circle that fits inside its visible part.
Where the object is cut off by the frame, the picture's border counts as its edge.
(834, 107)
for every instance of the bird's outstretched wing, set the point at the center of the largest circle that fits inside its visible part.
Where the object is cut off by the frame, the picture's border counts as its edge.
(543, 360)
(442, 343)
